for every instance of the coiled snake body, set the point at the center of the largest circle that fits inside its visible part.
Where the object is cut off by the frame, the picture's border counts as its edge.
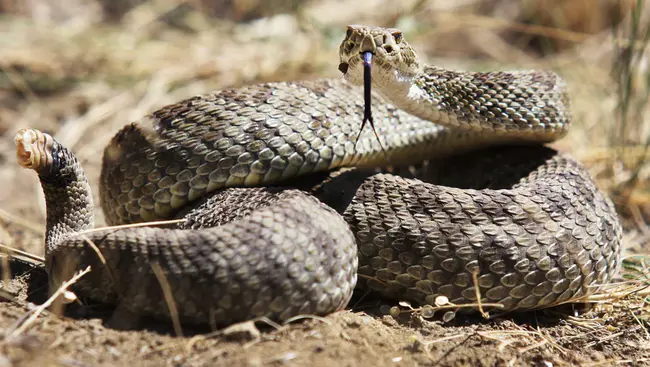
(527, 221)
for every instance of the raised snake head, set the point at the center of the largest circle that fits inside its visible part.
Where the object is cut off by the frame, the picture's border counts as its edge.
(394, 60)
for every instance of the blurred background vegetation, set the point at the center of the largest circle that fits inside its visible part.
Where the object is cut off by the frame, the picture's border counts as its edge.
(80, 69)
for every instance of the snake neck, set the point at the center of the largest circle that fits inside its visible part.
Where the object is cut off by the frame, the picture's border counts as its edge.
(68, 199)
(407, 93)
(524, 105)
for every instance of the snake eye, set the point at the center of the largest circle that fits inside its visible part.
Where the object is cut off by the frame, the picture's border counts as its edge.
(398, 37)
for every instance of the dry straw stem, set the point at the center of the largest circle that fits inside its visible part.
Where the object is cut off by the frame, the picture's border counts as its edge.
(641, 325)
(477, 292)
(133, 225)
(63, 288)
(35, 259)
(169, 297)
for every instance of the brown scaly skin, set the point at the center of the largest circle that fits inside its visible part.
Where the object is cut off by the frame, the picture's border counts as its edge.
(529, 221)
(536, 239)
(218, 275)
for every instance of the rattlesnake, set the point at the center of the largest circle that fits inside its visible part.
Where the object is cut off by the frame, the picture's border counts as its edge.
(523, 225)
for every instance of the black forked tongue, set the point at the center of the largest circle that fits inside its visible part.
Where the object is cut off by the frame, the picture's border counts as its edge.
(367, 96)
(367, 88)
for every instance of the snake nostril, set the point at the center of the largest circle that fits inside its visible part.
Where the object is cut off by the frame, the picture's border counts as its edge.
(388, 48)
(343, 67)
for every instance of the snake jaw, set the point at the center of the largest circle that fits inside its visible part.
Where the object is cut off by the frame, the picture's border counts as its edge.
(33, 149)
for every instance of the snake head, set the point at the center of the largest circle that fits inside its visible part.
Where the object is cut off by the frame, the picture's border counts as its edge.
(393, 58)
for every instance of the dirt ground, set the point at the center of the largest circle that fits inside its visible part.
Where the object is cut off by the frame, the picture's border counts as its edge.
(81, 69)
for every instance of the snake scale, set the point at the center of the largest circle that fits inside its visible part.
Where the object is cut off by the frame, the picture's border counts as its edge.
(282, 208)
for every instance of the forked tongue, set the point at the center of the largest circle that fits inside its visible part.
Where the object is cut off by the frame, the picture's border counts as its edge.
(367, 88)
(367, 96)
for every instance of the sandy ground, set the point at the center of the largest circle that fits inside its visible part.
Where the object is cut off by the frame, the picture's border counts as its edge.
(81, 80)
